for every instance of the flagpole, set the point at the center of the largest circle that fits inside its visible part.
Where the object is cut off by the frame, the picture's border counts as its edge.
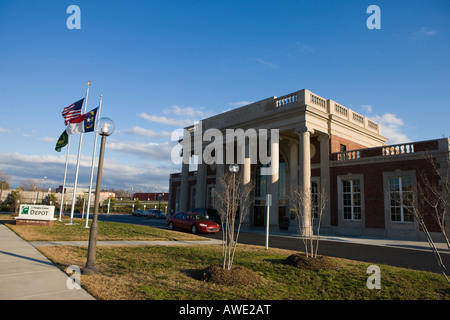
(92, 165)
(78, 161)
(64, 180)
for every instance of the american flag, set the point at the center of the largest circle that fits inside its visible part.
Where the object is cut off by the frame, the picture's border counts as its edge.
(72, 112)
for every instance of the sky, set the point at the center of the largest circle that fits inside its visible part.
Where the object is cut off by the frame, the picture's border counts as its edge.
(161, 65)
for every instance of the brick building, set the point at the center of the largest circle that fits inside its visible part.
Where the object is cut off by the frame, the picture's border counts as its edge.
(317, 142)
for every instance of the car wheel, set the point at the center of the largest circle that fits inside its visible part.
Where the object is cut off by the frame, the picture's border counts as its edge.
(194, 229)
(171, 226)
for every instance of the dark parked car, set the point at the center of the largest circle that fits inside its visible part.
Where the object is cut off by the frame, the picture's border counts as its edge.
(192, 221)
(138, 213)
(156, 214)
(210, 214)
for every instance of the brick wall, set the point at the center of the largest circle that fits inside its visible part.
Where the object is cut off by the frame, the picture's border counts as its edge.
(374, 192)
(336, 141)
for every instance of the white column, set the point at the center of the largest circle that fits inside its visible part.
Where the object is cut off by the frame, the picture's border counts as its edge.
(325, 174)
(246, 177)
(184, 187)
(274, 181)
(304, 159)
(293, 165)
(200, 188)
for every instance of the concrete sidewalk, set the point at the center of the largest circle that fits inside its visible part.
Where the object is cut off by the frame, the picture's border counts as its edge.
(26, 274)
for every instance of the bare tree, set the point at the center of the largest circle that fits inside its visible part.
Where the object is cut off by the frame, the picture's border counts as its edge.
(430, 201)
(308, 207)
(233, 196)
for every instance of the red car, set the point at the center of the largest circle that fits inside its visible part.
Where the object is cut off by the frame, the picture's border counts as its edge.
(192, 221)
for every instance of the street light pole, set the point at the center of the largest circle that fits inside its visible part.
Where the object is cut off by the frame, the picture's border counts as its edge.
(107, 128)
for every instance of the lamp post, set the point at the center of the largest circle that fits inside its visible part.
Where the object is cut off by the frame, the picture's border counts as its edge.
(234, 168)
(106, 128)
(160, 196)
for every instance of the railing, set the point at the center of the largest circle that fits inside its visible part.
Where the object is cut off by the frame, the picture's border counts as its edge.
(387, 151)
(285, 100)
(328, 106)
(343, 111)
(372, 125)
(318, 101)
(347, 155)
(398, 149)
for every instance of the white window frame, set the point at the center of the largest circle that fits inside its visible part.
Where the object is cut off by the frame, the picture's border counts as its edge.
(401, 204)
(352, 200)
(350, 225)
(315, 180)
(397, 228)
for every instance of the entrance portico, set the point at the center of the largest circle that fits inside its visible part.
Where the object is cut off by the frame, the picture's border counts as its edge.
(308, 129)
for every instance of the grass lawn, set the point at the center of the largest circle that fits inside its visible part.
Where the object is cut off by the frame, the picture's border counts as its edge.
(166, 272)
(140, 273)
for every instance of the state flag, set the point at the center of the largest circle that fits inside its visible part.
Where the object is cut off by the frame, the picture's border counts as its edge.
(62, 141)
(83, 123)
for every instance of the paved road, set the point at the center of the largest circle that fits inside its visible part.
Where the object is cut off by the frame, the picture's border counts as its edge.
(400, 257)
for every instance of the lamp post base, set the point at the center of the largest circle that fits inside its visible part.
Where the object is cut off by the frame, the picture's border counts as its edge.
(90, 270)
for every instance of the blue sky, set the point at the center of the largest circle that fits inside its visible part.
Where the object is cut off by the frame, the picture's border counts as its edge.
(160, 65)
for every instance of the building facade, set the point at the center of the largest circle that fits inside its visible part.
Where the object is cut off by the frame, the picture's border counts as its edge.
(320, 143)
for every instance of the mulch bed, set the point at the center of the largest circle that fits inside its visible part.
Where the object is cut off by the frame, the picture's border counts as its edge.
(300, 260)
(236, 276)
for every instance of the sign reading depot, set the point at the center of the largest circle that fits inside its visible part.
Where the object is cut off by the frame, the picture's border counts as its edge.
(36, 212)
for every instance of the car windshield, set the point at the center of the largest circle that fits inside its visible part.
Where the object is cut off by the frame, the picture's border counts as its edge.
(197, 217)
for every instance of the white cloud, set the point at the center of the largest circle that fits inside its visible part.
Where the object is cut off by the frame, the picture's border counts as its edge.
(304, 48)
(48, 139)
(190, 112)
(148, 150)
(424, 32)
(239, 103)
(148, 133)
(165, 120)
(23, 167)
(367, 108)
(266, 63)
(178, 116)
(5, 130)
(391, 127)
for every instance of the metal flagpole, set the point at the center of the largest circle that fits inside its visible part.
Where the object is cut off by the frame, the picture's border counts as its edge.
(64, 180)
(93, 158)
(78, 160)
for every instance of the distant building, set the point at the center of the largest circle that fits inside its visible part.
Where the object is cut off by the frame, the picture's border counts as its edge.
(320, 143)
(152, 196)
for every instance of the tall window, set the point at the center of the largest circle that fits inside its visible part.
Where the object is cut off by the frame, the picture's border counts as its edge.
(314, 199)
(282, 178)
(261, 182)
(400, 192)
(351, 192)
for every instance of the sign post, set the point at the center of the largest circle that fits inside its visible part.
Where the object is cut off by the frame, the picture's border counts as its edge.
(269, 203)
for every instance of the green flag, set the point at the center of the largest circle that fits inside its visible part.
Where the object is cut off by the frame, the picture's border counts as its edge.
(62, 141)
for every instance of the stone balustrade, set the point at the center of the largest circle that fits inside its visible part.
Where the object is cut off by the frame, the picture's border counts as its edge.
(385, 151)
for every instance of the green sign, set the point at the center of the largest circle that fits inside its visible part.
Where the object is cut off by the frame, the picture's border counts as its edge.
(25, 210)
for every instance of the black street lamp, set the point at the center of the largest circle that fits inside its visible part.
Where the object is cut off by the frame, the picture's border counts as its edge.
(106, 128)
